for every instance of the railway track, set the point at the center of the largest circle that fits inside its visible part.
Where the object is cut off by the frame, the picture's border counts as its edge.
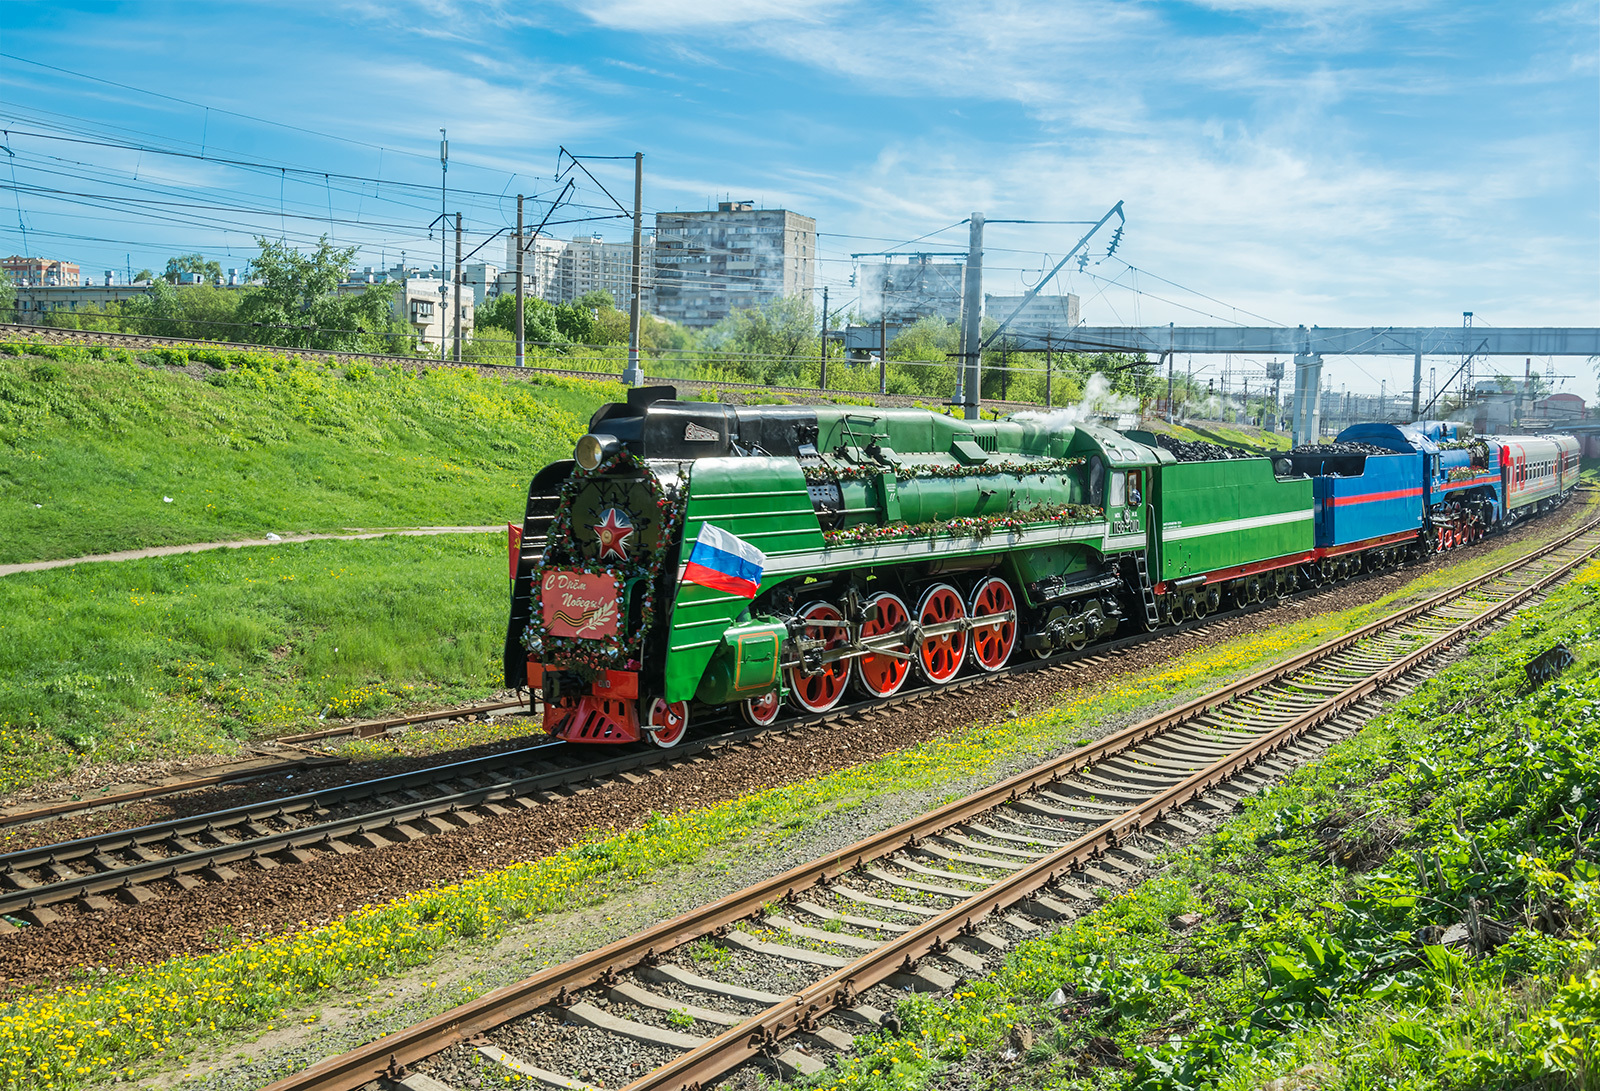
(50, 334)
(259, 768)
(141, 864)
(937, 899)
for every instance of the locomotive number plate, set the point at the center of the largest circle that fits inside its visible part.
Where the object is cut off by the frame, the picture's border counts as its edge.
(580, 604)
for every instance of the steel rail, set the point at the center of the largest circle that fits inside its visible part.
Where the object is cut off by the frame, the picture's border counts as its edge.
(757, 1035)
(313, 758)
(412, 1044)
(364, 728)
(30, 896)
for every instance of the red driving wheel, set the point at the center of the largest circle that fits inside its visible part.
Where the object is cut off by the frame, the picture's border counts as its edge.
(939, 656)
(992, 642)
(667, 722)
(761, 711)
(821, 691)
(883, 675)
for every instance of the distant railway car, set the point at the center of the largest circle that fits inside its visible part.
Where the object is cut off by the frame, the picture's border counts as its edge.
(1225, 530)
(1531, 467)
(1463, 491)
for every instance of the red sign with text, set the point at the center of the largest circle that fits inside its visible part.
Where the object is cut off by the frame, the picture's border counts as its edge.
(580, 604)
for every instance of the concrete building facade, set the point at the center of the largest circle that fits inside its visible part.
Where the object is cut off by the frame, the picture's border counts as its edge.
(40, 272)
(1045, 315)
(902, 292)
(709, 264)
(541, 255)
(36, 301)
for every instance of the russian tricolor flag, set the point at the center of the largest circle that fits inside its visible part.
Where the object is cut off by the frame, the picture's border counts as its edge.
(723, 562)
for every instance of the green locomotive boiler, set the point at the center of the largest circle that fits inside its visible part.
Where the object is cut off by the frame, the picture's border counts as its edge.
(896, 542)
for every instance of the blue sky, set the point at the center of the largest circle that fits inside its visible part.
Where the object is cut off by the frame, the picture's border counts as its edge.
(1327, 163)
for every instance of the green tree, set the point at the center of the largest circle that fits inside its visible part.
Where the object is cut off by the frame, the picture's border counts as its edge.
(210, 271)
(297, 303)
(8, 300)
(144, 274)
(770, 343)
(158, 312)
(538, 319)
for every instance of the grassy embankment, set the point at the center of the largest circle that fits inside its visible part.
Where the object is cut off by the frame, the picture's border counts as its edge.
(162, 1014)
(172, 655)
(93, 443)
(1417, 911)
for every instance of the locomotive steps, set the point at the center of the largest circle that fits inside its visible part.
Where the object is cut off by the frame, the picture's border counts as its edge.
(937, 899)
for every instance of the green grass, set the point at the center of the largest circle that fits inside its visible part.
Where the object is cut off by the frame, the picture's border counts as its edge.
(173, 655)
(1316, 960)
(93, 442)
(167, 1010)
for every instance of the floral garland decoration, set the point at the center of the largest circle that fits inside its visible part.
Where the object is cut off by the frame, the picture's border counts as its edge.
(1043, 467)
(597, 655)
(977, 527)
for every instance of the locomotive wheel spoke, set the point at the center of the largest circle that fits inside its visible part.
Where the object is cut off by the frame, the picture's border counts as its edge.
(822, 690)
(667, 722)
(992, 644)
(939, 656)
(882, 675)
(761, 711)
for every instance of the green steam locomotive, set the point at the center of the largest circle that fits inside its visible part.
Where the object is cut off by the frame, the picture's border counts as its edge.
(842, 548)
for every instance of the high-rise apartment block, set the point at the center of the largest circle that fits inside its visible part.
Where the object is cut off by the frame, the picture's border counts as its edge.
(900, 292)
(709, 264)
(561, 271)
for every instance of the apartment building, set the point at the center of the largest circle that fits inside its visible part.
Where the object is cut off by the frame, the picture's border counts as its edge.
(709, 264)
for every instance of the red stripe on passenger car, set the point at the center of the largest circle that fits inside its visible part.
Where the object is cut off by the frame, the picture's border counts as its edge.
(1396, 494)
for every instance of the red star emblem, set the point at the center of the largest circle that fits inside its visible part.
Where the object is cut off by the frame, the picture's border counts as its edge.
(613, 532)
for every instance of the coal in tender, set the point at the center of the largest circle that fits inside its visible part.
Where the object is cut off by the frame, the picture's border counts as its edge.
(1193, 450)
(1333, 450)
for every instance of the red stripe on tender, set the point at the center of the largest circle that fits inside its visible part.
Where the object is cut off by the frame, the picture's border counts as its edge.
(1492, 479)
(719, 581)
(1368, 498)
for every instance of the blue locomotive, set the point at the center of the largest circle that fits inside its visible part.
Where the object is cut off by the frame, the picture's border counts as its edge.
(1435, 484)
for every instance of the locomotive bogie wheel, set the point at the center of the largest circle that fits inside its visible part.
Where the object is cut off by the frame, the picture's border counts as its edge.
(821, 691)
(666, 722)
(883, 675)
(761, 711)
(1195, 605)
(992, 643)
(939, 657)
(1174, 604)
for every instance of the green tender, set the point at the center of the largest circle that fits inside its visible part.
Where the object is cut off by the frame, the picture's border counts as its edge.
(1219, 515)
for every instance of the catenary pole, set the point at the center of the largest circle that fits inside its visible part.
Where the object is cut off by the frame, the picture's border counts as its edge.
(457, 316)
(444, 219)
(822, 363)
(883, 334)
(1049, 364)
(634, 376)
(972, 320)
(521, 337)
(1416, 385)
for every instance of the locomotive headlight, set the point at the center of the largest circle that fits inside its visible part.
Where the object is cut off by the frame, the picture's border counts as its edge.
(592, 450)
